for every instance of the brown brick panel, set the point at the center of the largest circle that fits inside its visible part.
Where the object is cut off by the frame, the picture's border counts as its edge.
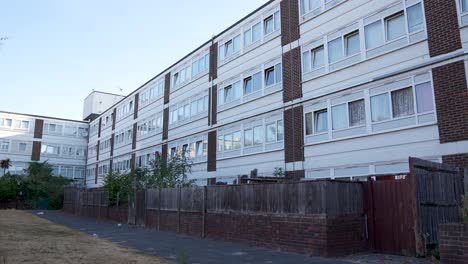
(136, 106)
(134, 135)
(212, 138)
(165, 132)
(214, 105)
(453, 243)
(191, 223)
(36, 151)
(97, 149)
(451, 94)
(38, 128)
(346, 235)
(114, 117)
(295, 175)
(111, 166)
(99, 127)
(132, 161)
(292, 76)
(96, 174)
(289, 21)
(213, 69)
(459, 160)
(442, 27)
(112, 144)
(164, 152)
(294, 135)
(167, 87)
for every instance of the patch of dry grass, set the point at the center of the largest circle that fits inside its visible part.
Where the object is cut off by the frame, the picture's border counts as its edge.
(26, 238)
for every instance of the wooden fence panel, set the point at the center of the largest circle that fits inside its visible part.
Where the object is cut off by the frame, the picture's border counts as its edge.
(192, 199)
(439, 198)
(169, 199)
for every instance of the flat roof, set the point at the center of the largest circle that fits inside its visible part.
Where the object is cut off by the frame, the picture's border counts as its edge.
(46, 117)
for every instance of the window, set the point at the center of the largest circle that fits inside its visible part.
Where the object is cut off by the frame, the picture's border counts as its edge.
(380, 107)
(271, 23)
(236, 140)
(70, 131)
(415, 18)
(248, 137)
(83, 132)
(200, 65)
(357, 113)
(258, 135)
(352, 43)
(273, 75)
(252, 35)
(220, 143)
(199, 148)
(374, 35)
(395, 26)
(232, 92)
(228, 142)
(424, 97)
(464, 5)
(310, 5)
(348, 115)
(321, 121)
(4, 146)
(253, 83)
(229, 48)
(5, 122)
(271, 133)
(313, 59)
(402, 102)
(308, 121)
(280, 135)
(173, 151)
(57, 129)
(335, 50)
(49, 149)
(21, 124)
(22, 147)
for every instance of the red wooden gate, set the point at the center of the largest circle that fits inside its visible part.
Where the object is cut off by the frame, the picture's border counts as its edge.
(390, 215)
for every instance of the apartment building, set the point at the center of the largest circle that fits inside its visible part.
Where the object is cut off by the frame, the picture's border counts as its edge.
(28, 138)
(320, 88)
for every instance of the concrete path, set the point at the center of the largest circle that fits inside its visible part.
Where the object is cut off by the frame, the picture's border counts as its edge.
(184, 249)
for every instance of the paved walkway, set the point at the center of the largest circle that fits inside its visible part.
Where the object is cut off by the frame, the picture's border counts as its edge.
(183, 249)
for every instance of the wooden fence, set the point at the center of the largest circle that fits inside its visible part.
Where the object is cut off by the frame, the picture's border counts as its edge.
(439, 195)
(92, 204)
(301, 198)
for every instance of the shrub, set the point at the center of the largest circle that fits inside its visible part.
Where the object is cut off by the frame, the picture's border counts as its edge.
(9, 187)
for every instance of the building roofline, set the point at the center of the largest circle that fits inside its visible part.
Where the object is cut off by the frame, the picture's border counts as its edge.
(191, 53)
(48, 117)
(101, 92)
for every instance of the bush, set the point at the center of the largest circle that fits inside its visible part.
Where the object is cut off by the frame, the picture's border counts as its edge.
(118, 187)
(9, 187)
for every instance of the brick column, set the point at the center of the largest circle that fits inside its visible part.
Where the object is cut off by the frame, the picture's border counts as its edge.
(443, 30)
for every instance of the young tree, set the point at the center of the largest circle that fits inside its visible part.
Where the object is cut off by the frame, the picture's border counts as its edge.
(5, 165)
(169, 173)
(118, 187)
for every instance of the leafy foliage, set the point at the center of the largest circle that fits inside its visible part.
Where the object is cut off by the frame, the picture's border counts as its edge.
(169, 173)
(279, 172)
(5, 164)
(9, 186)
(118, 187)
(161, 174)
(40, 184)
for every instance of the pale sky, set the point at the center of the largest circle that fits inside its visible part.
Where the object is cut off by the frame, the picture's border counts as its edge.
(59, 50)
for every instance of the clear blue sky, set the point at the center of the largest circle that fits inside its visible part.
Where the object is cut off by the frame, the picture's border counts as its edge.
(59, 50)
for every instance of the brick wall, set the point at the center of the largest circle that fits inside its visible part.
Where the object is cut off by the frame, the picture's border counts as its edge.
(453, 243)
(211, 164)
(289, 21)
(167, 87)
(459, 160)
(38, 128)
(314, 235)
(292, 76)
(295, 175)
(442, 26)
(451, 94)
(294, 135)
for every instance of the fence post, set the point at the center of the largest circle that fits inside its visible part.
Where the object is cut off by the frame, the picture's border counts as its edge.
(204, 211)
(178, 209)
(159, 207)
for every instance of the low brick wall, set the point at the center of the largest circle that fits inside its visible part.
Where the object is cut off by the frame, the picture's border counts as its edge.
(453, 243)
(117, 214)
(316, 235)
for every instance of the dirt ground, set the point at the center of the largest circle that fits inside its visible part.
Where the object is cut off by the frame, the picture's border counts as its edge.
(26, 238)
